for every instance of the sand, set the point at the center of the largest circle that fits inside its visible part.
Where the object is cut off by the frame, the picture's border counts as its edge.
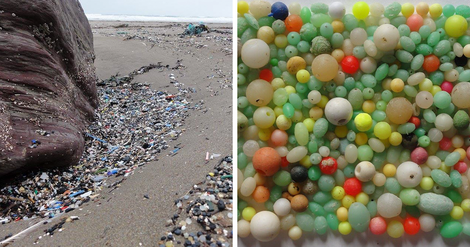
(123, 217)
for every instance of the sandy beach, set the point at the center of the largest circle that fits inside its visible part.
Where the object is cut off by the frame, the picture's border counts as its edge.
(136, 212)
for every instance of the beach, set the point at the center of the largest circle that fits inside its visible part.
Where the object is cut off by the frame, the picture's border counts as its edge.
(136, 212)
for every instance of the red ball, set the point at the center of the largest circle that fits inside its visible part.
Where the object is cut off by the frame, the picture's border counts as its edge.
(415, 22)
(415, 121)
(431, 63)
(266, 74)
(445, 143)
(352, 186)
(284, 162)
(447, 86)
(378, 225)
(411, 225)
(328, 165)
(461, 167)
(419, 155)
(350, 64)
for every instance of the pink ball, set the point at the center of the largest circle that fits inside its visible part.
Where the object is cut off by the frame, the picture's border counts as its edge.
(419, 155)
(447, 86)
(445, 143)
(415, 21)
(378, 225)
(279, 137)
(461, 167)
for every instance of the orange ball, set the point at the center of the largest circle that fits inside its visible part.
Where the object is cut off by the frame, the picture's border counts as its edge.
(293, 23)
(299, 203)
(266, 161)
(260, 194)
(431, 63)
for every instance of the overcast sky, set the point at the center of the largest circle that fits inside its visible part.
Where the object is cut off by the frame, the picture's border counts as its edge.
(182, 8)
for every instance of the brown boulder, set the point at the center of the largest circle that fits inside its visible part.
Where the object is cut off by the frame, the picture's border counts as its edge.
(47, 83)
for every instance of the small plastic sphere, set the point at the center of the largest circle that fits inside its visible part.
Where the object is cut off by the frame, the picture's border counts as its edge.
(279, 11)
(280, 41)
(456, 213)
(442, 99)
(465, 205)
(364, 171)
(255, 53)
(243, 228)
(338, 193)
(411, 225)
(397, 85)
(293, 23)
(426, 183)
(266, 74)
(431, 63)
(338, 26)
(456, 26)
(295, 233)
(350, 64)
(395, 229)
(265, 226)
(352, 186)
(378, 225)
(419, 155)
(362, 198)
(282, 207)
(299, 203)
(342, 214)
(379, 179)
(422, 8)
(266, 161)
(461, 167)
(360, 10)
(415, 22)
(260, 194)
(389, 170)
(338, 111)
(424, 99)
(399, 110)
(259, 92)
(302, 76)
(295, 64)
(348, 200)
(266, 34)
(248, 213)
(363, 122)
(328, 165)
(435, 10)
(344, 228)
(409, 174)
(427, 222)
(337, 10)
(407, 9)
(444, 122)
(325, 67)
(279, 137)
(395, 138)
(264, 117)
(386, 37)
(242, 7)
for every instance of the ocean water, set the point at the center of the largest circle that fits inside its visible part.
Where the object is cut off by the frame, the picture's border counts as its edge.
(100, 17)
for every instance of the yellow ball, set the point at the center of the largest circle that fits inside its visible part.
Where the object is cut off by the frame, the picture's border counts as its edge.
(363, 122)
(395, 229)
(248, 213)
(283, 123)
(362, 198)
(422, 9)
(323, 101)
(426, 183)
(315, 113)
(435, 10)
(456, 213)
(382, 130)
(397, 85)
(445, 168)
(435, 89)
(344, 228)
(361, 138)
(360, 10)
(425, 85)
(280, 41)
(462, 153)
(368, 106)
(342, 214)
(264, 134)
(456, 26)
(242, 7)
(465, 205)
(338, 193)
(389, 170)
(347, 201)
(309, 123)
(290, 90)
(338, 26)
(305, 161)
(302, 76)
(407, 9)
(341, 131)
(278, 111)
(395, 138)
(294, 188)
(277, 83)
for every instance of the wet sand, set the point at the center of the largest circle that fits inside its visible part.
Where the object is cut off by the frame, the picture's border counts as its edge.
(124, 217)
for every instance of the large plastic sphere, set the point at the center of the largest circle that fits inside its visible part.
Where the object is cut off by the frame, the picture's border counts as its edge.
(242, 7)
(260, 8)
(338, 111)
(259, 92)
(265, 226)
(386, 37)
(279, 11)
(456, 26)
(266, 161)
(399, 110)
(360, 10)
(255, 53)
(337, 10)
(461, 95)
(325, 67)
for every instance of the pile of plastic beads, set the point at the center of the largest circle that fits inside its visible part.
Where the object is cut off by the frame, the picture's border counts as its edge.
(353, 121)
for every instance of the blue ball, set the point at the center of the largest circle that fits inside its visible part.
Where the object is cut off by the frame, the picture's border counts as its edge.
(279, 11)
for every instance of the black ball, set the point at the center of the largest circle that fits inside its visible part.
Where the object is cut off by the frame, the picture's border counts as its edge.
(299, 174)
(460, 61)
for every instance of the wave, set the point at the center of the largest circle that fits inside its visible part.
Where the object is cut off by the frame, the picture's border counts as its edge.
(100, 17)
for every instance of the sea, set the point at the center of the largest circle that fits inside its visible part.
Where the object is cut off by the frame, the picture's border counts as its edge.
(101, 17)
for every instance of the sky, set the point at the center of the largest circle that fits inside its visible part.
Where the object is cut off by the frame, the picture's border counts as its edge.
(181, 8)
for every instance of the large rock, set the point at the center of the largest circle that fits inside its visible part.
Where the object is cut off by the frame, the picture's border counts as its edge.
(47, 83)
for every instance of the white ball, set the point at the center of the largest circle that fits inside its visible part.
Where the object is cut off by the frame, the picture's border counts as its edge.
(282, 207)
(255, 53)
(386, 37)
(427, 222)
(364, 171)
(295, 8)
(243, 228)
(338, 111)
(265, 226)
(409, 174)
(337, 10)
(389, 205)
